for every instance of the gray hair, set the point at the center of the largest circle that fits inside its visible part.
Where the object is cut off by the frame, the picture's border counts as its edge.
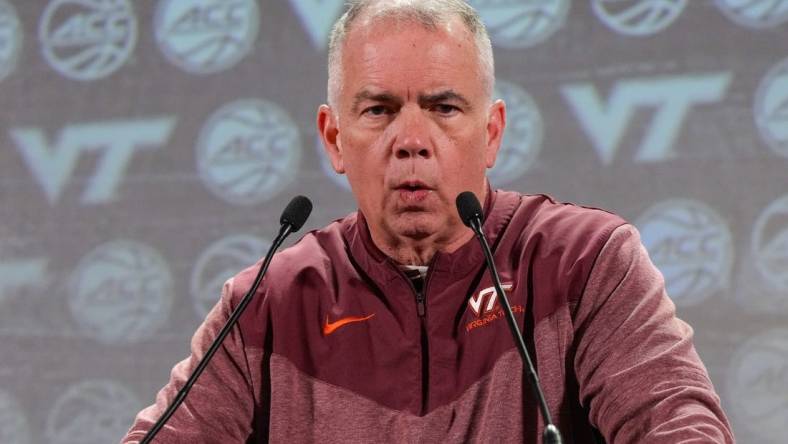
(430, 13)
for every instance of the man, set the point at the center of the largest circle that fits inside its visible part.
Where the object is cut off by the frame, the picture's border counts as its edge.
(382, 326)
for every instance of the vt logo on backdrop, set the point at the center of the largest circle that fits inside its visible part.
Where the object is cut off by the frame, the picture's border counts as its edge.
(52, 161)
(605, 121)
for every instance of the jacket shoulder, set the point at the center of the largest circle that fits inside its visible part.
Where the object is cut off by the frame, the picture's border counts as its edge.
(564, 221)
(559, 244)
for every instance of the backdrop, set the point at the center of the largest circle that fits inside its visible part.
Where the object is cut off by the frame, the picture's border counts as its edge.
(147, 148)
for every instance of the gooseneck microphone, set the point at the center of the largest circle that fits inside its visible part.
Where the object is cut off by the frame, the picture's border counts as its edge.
(292, 219)
(471, 214)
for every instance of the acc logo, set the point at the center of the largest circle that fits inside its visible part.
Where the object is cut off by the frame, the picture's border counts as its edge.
(121, 292)
(771, 108)
(219, 262)
(757, 377)
(672, 97)
(770, 244)
(522, 140)
(484, 302)
(53, 164)
(521, 23)
(248, 151)
(10, 39)
(755, 14)
(91, 412)
(13, 424)
(638, 17)
(87, 40)
(325, 164)
(692, 247)
(206, 36)
(318, 17)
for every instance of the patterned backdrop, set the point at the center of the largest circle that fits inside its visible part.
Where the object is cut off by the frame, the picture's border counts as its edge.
(147, 148)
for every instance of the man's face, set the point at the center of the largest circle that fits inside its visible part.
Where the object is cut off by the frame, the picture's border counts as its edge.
(414, 127)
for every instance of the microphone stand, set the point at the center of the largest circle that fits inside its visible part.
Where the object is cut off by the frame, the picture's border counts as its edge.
(472, 219)
(288, 226)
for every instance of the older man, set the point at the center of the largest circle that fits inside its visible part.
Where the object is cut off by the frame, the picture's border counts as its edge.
(383, 326)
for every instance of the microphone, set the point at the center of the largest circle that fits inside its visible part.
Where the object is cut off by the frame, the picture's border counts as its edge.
(293, 218)
(296, 213)
(471, 215)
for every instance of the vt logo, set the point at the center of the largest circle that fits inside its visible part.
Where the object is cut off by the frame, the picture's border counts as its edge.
(672, 97)
(488, 295)
(317, 16)
(53, 162)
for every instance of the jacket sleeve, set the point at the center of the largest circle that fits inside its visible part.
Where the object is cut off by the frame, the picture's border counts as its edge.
(638, 372)
(220, 406)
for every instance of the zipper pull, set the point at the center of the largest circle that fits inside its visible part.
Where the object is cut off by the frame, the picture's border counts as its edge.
(420, 308)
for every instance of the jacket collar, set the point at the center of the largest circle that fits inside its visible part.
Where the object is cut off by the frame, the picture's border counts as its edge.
(499, 207)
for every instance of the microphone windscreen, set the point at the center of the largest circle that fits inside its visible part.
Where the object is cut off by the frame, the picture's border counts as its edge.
(296, 212)
(469, 208)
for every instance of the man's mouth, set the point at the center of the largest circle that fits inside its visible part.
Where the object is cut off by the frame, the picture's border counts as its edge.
(413, 191)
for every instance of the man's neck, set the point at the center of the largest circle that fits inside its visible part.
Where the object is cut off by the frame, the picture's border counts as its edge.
(408, 251)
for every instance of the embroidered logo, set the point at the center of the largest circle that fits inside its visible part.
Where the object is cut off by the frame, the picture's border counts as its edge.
(331, 327)
(488, 295)
(486, 309)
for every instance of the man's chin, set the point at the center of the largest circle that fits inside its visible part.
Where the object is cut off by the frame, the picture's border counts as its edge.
(416, 225)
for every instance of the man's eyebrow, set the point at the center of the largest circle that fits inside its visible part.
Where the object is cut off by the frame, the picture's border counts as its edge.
(375, 97)
(443, 96)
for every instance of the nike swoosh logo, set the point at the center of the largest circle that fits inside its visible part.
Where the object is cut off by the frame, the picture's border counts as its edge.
(331, 327)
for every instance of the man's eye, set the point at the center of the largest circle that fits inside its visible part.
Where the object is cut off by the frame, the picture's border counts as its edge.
(445, 109)
(377, 110)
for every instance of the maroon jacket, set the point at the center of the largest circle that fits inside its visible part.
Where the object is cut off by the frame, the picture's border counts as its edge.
(338, 346)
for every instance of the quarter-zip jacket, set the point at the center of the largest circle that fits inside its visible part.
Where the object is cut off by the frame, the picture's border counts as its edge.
(339, 347)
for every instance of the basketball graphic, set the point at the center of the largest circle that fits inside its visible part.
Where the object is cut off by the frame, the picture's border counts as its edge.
(755, 13)
(96, 411)
(522, 140)
(206, 36)
(757, 378)
(770, 244)
(691, 245)
(121, 292)
(87, 39)
(219, 262)
(521, 23)
(638, 17)
(247, 152)
(771, 108)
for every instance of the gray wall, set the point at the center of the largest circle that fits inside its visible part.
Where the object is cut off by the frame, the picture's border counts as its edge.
(126, 126)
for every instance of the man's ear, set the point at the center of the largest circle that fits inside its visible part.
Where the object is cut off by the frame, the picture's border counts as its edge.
(496, 123)
(327, 126)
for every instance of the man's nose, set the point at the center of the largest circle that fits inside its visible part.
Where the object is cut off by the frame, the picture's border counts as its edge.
(412, 137)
